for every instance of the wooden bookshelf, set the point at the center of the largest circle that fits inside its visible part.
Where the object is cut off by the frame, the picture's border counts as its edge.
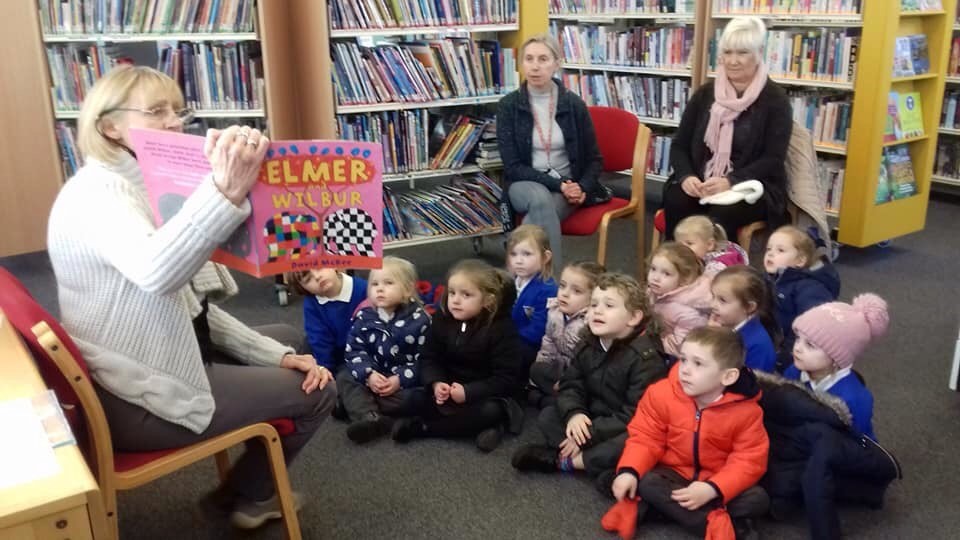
(863, 222)
(621, 20)
(951, 82)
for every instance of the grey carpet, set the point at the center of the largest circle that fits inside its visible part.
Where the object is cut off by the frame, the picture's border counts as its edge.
(447, 489)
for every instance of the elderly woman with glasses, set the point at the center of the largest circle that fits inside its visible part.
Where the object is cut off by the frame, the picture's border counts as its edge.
(171, 368)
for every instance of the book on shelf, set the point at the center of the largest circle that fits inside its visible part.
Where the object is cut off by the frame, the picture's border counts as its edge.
(421, 71)
(658, 155)
(831, 173)
(145, 16)
(948, 158)
(70, 157)
(651, 97)
(640, 46)
(75, 68)
(622, 7)
(819, 54)
(826, 116)
(315, 203)
(788, 7)
(402, 136)
(378, 14)
(467, 205)
(459, 142)
(950, 112)
(911, 114)
(911, 56)
(921, 5)
(896, 180)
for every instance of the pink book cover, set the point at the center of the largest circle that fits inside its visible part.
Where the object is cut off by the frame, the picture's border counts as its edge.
(316, 204)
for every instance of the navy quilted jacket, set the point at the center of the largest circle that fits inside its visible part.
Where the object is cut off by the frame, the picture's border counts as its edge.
(387, 347)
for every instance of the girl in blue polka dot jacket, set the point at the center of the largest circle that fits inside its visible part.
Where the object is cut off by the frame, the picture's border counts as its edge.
(383, 353)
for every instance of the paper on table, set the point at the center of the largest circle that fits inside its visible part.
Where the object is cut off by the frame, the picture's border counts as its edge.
(27, 455)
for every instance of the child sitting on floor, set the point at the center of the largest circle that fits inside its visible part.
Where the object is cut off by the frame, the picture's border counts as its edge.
(529, 261)
(330, 298)
(680, 293)
(383, 353)
(801, 279)
(743, 301)
(599, 391)
(566, 319)
(709, 241)
(470, 362)
(696, 446)
(830, 337)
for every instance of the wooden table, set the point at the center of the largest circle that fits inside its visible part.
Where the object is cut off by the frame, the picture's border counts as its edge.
(57, 507)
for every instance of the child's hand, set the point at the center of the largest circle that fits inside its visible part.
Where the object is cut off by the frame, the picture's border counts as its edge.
(457, 393)
(625, 486)
(569, 448)
(694, 496)
(578, 428)
(375, 381)
(441, 392)
(390, 386)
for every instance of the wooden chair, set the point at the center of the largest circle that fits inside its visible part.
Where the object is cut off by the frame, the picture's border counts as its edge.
(613, 128)
(64, 370)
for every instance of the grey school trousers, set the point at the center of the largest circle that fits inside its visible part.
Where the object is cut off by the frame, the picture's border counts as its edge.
(544, 208)
(243, 395)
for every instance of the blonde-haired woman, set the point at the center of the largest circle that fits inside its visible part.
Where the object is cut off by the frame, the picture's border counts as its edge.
(734, 128)
(170, 367)
(550, 155)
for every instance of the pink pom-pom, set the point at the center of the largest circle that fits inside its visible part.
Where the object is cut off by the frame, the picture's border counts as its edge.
(874, 310)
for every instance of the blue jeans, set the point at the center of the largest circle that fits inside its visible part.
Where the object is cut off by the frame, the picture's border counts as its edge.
(544, 208)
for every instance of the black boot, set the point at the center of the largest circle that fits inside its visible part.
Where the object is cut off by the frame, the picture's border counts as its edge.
(535, 457)
(743, 528)
(407, 429)
(489, 439)
(372, 427)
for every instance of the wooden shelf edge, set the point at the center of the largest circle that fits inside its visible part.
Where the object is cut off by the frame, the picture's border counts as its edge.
(615, 68)
(173, 36)
(340, 33)
(424, 240)
(919, 77)
(407, 105)
(945, 180)
(908, 140)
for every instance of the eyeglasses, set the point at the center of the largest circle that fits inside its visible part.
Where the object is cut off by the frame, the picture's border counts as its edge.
(159, 113)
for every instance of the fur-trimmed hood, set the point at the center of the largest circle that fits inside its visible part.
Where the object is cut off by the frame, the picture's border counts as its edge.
(793, 402)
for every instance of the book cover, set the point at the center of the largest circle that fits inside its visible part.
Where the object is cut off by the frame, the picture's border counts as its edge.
(919, 55)
(902, 58)
(884, 193)
(316, 203)
(892, 130)
(900, 175)
(910, 114)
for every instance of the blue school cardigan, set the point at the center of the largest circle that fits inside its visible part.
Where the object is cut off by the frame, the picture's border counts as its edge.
(760, 352)
(530, 310)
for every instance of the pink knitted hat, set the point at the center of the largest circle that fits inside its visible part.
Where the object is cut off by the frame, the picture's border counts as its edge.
(844, 330)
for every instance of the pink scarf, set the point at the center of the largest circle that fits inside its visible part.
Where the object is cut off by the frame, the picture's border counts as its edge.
(724, 111)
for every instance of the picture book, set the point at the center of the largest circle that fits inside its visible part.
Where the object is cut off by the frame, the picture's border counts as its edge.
(892, 130)
(919, 54)
(316, 203)
(910, 114)
(884, 193)
(902, 58)
(902, 182)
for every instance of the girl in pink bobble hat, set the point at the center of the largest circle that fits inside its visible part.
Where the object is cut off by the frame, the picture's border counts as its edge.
(830, 337)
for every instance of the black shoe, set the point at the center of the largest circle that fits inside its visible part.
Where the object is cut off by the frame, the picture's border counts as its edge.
(743, 528)
(604, 483)
(406, 429)
(535, 397)
(339, 413)
(372, 427)
(489, 439)
(535, 457)
(218, 503)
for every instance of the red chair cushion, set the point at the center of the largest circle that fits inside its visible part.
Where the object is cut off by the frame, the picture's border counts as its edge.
(126, 461)
(585, 221)
(660, 221)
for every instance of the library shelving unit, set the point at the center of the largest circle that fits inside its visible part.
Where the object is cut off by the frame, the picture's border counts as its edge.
(34, 151)
(952, 83)
(639, 56)
(319, 117)
(862, 221)
(821, 95)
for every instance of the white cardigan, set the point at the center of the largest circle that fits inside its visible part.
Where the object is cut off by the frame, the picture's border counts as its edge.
(125, 289)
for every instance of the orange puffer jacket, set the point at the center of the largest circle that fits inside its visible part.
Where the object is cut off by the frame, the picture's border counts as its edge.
(723, 444)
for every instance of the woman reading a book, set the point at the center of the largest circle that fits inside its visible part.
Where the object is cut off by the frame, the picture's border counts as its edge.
(171, 368)
(735, 128)
(550, 155)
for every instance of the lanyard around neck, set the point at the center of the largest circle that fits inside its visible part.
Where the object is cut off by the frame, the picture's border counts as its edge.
(547, 141)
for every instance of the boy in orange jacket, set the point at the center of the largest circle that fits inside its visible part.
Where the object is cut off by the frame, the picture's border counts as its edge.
(697, 445)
